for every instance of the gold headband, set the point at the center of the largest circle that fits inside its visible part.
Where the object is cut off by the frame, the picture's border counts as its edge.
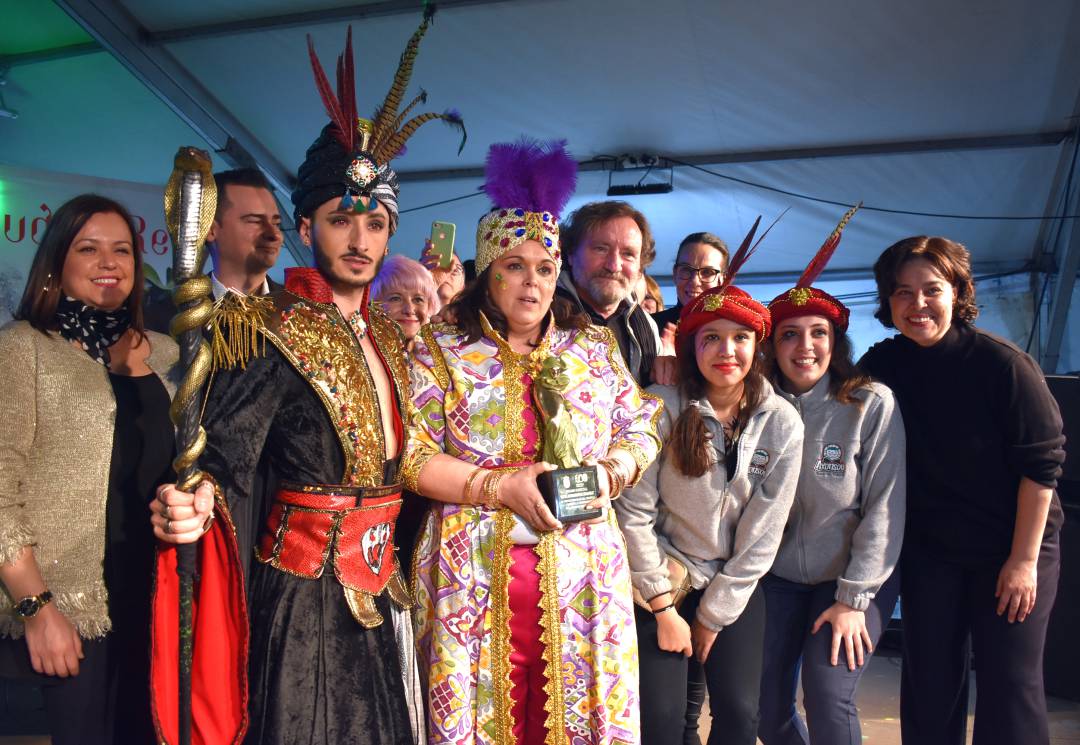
(503, 229)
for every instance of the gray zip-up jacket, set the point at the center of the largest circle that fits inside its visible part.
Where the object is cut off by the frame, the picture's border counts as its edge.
(847, 522)
(726, 532)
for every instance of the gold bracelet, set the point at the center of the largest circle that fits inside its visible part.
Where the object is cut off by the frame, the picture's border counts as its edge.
(618, 483)
(617, 465)
(615, 476)
(467, 494)
(490, 489)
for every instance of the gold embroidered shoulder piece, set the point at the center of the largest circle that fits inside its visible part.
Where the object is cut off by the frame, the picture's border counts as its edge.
(317, 341)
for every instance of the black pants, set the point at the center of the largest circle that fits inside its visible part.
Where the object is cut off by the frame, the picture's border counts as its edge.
(732, 675)
(792, 654)
(316, 677)
(107, 703)
(950, 611)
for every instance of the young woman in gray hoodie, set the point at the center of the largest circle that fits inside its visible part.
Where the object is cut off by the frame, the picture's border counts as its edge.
(716, 500)
(829, 594)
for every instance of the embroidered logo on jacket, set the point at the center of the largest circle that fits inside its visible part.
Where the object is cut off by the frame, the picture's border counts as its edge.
(831, 460)
(374, 543)
(758, 462)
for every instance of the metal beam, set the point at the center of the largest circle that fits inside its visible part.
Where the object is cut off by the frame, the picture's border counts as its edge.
(8, 61)
(1043, 260)
(114, 28)
(304, 18)
(1059, 310)
(947, 144)
(980, 270)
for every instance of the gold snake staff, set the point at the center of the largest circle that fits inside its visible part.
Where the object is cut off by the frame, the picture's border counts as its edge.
(190, 202)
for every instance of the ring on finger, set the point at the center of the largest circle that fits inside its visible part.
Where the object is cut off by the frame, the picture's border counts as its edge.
(168, 526)
(167, 512)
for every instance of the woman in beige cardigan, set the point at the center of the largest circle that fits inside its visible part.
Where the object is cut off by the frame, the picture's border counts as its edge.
(85, 437)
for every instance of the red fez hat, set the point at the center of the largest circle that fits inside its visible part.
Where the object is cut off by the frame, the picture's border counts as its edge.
(804, 300)
(727, 301)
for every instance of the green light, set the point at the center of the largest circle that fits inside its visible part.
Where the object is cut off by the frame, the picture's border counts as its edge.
(34, 26)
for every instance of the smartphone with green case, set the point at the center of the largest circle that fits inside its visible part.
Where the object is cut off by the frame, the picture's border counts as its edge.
(442, 242)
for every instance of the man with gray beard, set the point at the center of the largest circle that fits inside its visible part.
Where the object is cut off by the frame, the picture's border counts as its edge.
(606, 246)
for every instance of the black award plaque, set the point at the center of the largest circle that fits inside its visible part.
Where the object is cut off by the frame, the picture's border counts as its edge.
(567, 491)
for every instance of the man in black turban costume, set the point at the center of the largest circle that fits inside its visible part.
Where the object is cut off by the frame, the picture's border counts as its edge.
(311, 384)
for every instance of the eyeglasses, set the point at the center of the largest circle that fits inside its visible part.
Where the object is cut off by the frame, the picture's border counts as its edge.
(686, 273)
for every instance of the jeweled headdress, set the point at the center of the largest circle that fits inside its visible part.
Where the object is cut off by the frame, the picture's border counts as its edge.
(351, 157)
(529, 183)
(804, 300)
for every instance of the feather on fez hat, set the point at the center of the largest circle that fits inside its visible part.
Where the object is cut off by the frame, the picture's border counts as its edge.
(804, 300)
(529, 183)
(728, 301)
(351, 157)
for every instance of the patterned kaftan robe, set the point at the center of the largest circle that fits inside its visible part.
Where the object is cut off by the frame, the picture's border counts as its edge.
(473, 401)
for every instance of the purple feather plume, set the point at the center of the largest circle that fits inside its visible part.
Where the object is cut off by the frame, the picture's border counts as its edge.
(530, 175)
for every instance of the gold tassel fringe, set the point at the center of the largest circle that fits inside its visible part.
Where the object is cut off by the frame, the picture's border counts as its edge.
(235, 329)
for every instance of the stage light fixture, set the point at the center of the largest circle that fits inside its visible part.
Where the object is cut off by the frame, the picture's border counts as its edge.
(634, 171)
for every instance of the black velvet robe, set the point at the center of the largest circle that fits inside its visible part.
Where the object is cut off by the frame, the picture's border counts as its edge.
(315, 674)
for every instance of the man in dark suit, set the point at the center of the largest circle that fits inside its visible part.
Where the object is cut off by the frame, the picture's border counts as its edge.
(244, 242)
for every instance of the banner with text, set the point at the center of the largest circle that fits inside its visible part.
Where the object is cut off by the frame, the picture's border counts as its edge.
(28, 199)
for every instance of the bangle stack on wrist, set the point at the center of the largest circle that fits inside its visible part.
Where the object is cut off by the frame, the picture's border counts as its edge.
(616, 477)
(490, 489)
(467, 494)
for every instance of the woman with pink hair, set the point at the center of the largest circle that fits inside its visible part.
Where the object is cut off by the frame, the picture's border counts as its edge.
(406, 292)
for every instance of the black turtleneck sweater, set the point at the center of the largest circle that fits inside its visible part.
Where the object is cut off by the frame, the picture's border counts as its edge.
(978, 416)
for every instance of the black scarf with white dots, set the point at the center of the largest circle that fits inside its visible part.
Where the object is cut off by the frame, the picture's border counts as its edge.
(95, 330)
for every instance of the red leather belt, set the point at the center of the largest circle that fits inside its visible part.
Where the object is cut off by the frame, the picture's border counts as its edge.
(356, 524)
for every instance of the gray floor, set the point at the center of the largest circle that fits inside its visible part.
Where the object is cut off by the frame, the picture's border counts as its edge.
(879, 708)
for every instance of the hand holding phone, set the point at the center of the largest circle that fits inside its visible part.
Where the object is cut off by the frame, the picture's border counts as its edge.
(441, 245)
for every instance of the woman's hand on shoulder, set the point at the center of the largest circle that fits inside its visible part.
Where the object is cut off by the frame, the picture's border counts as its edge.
(182, 517)
(54, 644)
(519, 492)
(849, 628)
(665, 367)
(446, 315)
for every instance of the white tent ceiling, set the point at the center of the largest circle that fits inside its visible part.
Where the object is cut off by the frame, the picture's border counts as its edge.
(923, 106)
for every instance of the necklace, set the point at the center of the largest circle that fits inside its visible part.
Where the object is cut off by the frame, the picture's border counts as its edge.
(730, 428)
(357, 324)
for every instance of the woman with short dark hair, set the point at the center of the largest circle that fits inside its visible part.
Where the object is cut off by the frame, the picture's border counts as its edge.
(86, 439)
(980, 560)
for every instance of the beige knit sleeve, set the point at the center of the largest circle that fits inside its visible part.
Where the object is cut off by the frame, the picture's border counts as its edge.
(18, 420)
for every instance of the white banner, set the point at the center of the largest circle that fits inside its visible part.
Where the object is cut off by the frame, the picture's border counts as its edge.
(28, 199)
